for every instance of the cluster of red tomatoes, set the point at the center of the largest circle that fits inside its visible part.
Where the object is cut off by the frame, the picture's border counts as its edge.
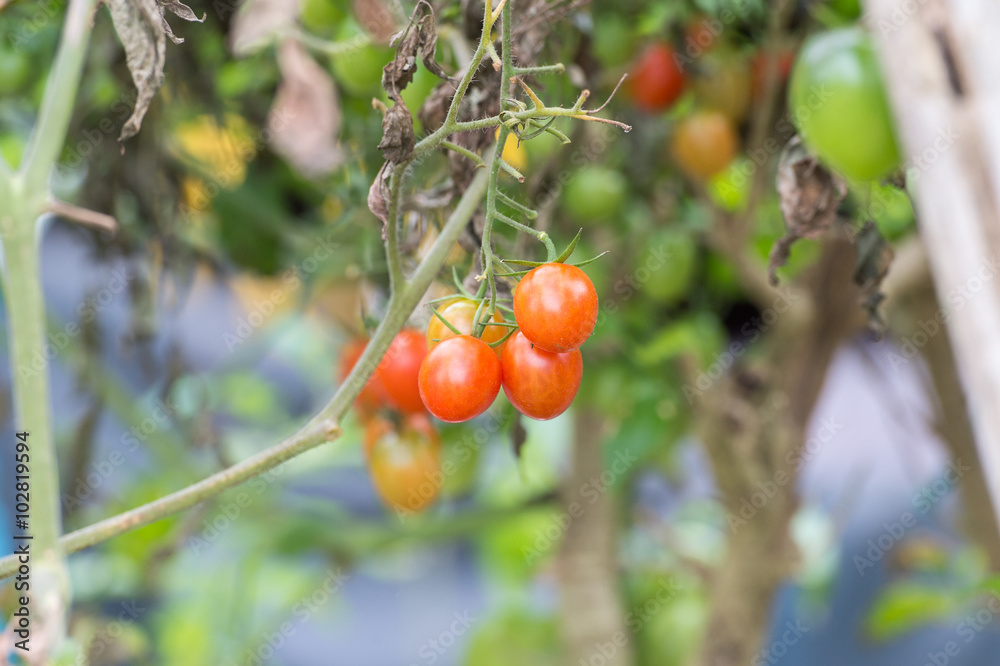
(456, 376)
(724, 84)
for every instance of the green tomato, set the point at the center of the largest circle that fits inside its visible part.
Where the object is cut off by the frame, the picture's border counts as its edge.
(359, 69)
(730, 188)
(670, 257)
(847, 8)
(595, 193)
(14, 70)
(613, 41)
(839, 104)
(319, 15)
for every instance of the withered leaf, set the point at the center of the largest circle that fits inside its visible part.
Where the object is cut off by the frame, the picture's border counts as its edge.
(397, 134)
(305, 117)
(873, 259)
(259, 22)
(143, 30)
(418, 41)
(809, 195)
(378, 193)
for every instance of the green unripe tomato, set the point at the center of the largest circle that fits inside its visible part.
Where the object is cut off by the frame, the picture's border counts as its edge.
(847, 8)
(730, 188)
(14, 70)
(670, 257)
(359, 69)
(839, 104)
(595, 193)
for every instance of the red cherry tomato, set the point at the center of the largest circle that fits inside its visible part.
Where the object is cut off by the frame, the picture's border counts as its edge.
(398, 370)
(555, 306)
(460, 379)
(373, 395)
(657, 79)
(540, 384)
(404, 462)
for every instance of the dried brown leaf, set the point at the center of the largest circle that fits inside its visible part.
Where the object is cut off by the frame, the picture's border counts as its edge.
(143, 30)
(259, 22)
(305, 117)
(378, 193)
(418, 41)
(809, 195)
(397, 134)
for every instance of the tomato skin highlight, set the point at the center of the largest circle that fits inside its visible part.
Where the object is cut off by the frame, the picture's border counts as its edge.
(460, 313)
(397, 372)
(404, 462)
(540, 384)
(460, 379)
(556, 307)
(657, 80)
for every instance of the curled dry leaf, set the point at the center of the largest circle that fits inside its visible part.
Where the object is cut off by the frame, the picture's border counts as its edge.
(305, 117)
(378, 194)
(259, 23)
(417, 41)
(809, 195)
(397, 134)
(143, 30)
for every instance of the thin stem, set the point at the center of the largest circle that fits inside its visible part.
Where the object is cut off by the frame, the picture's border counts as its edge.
(392, 257)
(49, 135)
(464, 152)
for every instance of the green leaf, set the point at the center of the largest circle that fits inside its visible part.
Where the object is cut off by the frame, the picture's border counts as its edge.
(907, 606)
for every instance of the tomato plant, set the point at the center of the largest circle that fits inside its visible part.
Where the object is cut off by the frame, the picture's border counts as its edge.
(459, 379)
(398, 370)
(657, 78)
(404, 461)
(555, 306)
(461, 313)
(540, 384)
(704, 144)
(838, 103)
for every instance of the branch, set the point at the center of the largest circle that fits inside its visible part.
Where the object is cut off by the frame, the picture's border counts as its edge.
(321, 428)
(49, 134)
(83, 216)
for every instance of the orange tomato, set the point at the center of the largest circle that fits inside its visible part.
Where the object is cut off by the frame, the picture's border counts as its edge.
(704, 144)
(404, 462)
(460, 314)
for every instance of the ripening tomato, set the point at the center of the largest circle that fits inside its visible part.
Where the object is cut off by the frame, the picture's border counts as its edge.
(540, 384)
(838, 102)
(460, 379)
(555, 306)
(399, 368)
(373, 395)
(704, 144)
(404, 462)
(514, 152)
(460, 314)
(657, 79)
